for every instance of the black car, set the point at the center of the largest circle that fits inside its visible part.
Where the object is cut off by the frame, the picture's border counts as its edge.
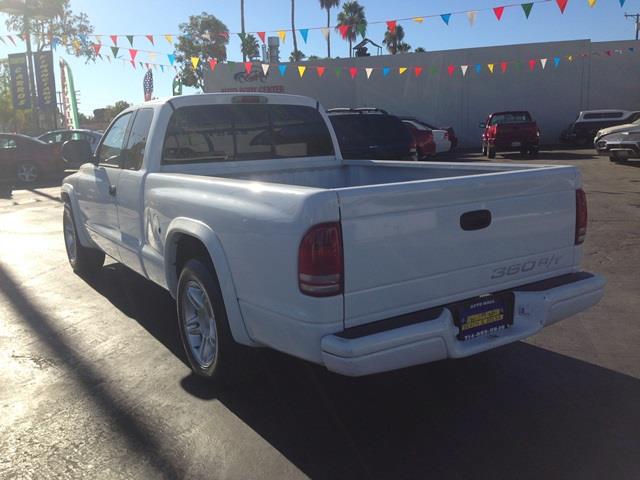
(583, 130)
(371, 134)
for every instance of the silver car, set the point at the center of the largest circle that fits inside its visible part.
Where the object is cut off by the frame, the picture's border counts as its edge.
(620, 143)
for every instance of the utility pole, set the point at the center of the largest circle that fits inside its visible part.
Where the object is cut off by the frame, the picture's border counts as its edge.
(636, 17)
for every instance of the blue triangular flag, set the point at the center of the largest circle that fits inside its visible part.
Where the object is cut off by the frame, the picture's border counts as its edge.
(631, 49)
(83, 38)
(556, 61)
(283, 69)
(478, 68)
(622, 3)
(446, 17)
(385, 71)
(162, 67)
(304, 33)
(54, 42)
(172, 58)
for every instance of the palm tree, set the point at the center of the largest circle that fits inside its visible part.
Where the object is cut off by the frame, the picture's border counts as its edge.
(297, 56)
(250, 47)
(352, 16)
(404, 47)
(244, 56)
(328, 5)
(393, 40)
(293, 26)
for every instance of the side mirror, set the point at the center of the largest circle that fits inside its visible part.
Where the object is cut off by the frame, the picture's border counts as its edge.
(77, 152)
(483, 125)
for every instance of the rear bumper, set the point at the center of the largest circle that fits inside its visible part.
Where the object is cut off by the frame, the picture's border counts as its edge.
(413, 341)
(508, 145)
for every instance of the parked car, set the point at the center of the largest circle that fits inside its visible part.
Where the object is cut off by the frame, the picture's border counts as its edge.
(361, 266)
(60, 136)
(444, 137)
(620, 143)
(425, 144)
(372, 133)
(25, 159)
(509, 132)
(583, 130)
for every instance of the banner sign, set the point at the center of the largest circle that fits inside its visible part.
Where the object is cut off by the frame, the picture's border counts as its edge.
(20, 90)
(45, 79)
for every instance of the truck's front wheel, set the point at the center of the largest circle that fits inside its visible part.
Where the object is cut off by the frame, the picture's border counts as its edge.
(84, 261)
(203, 325)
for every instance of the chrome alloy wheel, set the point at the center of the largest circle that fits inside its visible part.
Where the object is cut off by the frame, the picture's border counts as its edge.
(70, 237)
(27, 173)
(199, 324)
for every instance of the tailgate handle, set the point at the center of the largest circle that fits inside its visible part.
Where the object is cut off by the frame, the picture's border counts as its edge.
(476, 220)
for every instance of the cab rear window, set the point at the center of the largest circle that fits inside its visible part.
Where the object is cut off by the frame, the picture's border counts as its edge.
(242, 132)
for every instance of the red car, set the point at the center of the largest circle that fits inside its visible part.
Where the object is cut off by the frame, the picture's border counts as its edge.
(510, 132)
(425, 144)
(26, 159)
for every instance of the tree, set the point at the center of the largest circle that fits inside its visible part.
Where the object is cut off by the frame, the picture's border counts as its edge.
(313, 57)
(53, 21)
(250, 47)
(328, 5)
(353, 18)
(394, 41)
(293, 30)
(203, 37)
(108, 113)
(297, 56)
(420, 50)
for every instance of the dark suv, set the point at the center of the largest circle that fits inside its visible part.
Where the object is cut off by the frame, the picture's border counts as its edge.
(371, 134)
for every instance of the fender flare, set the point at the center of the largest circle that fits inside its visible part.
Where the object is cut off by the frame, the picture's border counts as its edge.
(68, 196)
(202, 232)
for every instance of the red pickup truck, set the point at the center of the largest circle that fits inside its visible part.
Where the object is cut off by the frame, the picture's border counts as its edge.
(509, 132)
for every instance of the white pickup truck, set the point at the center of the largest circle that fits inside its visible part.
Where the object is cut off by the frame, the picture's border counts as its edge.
(242, 207)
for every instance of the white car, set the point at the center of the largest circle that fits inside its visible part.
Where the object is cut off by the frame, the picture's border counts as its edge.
(242, 207)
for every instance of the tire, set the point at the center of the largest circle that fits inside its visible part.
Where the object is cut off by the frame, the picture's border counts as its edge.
(201, 313)
(484, 149)
(84, 261)
(491, 152)
(27, 172)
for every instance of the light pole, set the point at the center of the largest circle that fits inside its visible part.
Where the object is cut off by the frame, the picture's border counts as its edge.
(636, 17)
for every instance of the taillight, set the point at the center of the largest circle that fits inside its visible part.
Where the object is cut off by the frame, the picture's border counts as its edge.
(581, 216)
(446, 135)
(320, 263)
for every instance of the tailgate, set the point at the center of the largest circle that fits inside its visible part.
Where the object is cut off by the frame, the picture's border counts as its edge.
(405, 249)
(516, 131)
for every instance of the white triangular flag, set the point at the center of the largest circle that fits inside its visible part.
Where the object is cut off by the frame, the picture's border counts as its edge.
(265, 68)
(464, 69)
(368, 71)
(543, 61)
(472, 17)
(325, 32)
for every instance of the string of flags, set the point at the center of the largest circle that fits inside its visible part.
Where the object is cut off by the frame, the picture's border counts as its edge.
(472, 16)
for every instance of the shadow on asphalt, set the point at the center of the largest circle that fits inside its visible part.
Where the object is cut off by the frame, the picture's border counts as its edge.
(516, 412)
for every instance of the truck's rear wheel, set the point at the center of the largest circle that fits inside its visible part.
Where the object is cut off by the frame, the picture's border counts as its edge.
(84, 261)
(203, 325)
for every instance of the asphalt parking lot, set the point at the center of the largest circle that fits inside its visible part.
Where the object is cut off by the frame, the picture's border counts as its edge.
(94, 383)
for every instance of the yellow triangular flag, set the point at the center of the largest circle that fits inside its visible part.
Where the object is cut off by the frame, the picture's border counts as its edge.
(401, 70)
(301, 69)
(195, 61)
(98, 39)
(282, 34)
(169, 38)
(418, 19)
(570, 58)
(368, 71)
(490, 65)
(592, 3)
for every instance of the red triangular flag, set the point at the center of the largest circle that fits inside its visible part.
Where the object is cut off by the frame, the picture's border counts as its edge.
(562, 4)
(532, 65)
(212, 64)
(344, 29)
(353, 71)
(498, 11)
(96, 48)
(417, 71)
(320, 71)
(114, 39)
(451, 69)
(503, 66)
(262, 36)
(150, 38)
(391, 25)
(248, 66)
(133, 64)
(608, 52)
(133, 52)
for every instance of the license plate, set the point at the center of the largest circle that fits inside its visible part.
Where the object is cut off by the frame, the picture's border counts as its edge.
(516, 144)
(483, 315)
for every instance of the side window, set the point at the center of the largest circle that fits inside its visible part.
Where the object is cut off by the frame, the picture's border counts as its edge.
(138, 139)
(111, 148)
(7, 143)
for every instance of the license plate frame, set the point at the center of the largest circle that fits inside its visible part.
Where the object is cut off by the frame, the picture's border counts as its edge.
(483, 315)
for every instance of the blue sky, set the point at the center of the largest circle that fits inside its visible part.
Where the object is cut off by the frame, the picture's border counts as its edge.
(102, 83)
